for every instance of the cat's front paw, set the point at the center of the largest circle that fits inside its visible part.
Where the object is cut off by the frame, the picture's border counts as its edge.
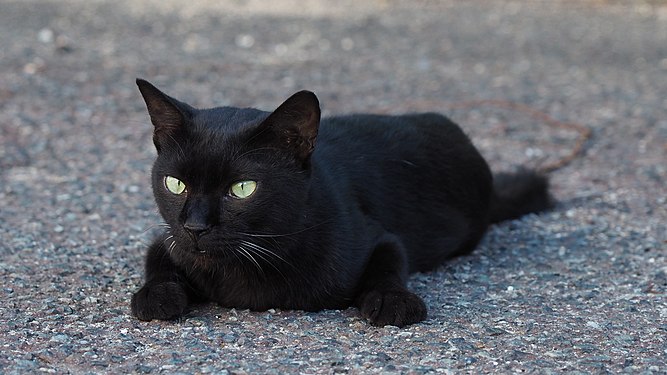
(396, 307)
(159, 300)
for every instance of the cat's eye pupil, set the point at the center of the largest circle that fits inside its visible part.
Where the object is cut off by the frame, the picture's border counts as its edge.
(174, 185)
(243, 189)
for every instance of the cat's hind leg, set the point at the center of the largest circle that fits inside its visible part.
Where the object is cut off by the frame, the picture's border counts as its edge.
(383, 297)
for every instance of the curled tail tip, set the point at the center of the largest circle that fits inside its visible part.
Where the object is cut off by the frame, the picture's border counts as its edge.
(519, 193)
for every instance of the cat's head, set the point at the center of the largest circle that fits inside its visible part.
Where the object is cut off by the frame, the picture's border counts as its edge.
(228, 181)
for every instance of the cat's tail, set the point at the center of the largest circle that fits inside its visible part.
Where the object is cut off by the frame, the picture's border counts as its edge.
(517, 194)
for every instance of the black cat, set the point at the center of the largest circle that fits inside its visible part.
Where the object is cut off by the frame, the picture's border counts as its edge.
(282, 210)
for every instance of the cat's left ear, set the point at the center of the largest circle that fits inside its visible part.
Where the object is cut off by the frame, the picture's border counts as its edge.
(294, 125)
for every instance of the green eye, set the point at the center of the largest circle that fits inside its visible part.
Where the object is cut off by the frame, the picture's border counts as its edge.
(174, 185)
(243, 189)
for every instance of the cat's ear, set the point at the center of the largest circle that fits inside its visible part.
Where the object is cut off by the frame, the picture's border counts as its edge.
(294, 125)
(168, 115)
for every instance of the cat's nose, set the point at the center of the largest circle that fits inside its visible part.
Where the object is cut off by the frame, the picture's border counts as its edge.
(198, 218)
(196, 230)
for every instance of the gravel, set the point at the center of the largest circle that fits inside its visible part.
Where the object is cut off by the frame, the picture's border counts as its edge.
(581, 289)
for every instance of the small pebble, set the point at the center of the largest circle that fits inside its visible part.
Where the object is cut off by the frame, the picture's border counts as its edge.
(45, 36)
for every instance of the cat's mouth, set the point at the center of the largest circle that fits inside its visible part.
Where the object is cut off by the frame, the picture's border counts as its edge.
(194, 247)
(198, 248)
(202, 246)
(198, 252)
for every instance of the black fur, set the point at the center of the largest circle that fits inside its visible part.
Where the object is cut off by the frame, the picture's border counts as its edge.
(344, 208)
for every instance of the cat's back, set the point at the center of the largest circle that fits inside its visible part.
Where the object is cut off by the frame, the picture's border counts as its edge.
(383, 156)
(368, 137)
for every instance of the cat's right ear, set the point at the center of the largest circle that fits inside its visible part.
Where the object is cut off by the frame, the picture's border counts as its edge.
(168, 115)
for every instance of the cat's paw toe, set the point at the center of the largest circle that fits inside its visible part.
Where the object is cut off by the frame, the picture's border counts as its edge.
(164, 301)
(396, 307)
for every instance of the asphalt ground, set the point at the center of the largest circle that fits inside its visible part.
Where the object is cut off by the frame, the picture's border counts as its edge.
(580, 289)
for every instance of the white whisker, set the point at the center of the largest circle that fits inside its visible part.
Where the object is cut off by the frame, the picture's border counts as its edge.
(247, 254)
(154, 226)
(284, 234)
(177, 144)
(267, 252)
(265, 256)
(171, 247)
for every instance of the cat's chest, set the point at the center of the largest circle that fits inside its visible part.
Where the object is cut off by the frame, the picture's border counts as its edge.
(261, 292)
(247, 290)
